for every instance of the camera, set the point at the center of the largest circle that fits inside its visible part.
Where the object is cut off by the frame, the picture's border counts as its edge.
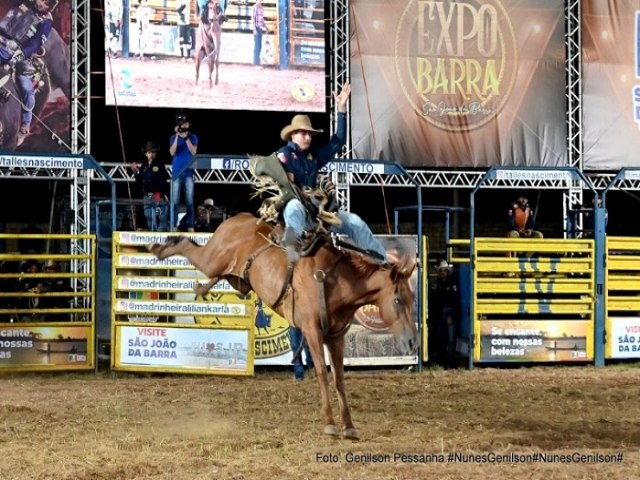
(182, 129)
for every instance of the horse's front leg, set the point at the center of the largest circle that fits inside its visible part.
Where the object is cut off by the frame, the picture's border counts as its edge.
(314, 339)
(210, 63)
(336, 352)
(198, 60)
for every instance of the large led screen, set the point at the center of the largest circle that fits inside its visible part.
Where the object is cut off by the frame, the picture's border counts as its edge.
(254, 55)
(35, 76)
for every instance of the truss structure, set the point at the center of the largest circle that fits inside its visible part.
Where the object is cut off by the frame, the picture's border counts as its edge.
(339, 51)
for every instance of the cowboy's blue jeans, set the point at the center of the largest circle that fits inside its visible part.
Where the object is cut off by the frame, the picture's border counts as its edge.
(296, 337)
(257, 47)
(296, 217)
(176, 184)
(27, 97)
(25, 87)
(150, 210)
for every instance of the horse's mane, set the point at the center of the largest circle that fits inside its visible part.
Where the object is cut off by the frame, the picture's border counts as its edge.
(361, 264)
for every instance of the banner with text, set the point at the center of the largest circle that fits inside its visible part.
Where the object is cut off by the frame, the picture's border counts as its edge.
(454, 83)
(535, 340)
(185, 349)
(46, 346)
(624, 341)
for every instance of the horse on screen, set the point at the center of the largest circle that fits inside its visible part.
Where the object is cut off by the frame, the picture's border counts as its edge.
(208, 38)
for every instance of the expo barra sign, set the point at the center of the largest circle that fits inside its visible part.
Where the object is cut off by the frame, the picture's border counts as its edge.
(456, 60)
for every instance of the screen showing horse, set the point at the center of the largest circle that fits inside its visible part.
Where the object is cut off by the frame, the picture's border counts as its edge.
(35, 76)
(264, 55)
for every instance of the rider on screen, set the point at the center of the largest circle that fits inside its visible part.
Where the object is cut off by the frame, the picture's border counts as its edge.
(23, 32)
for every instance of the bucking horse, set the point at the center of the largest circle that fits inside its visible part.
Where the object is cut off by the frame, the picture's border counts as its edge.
(319, 293)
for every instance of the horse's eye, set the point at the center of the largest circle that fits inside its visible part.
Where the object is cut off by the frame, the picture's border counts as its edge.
(396, 300)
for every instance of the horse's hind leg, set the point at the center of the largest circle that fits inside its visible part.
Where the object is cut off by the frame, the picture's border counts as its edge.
(164, 251)
(203, 288)
(217, 62)
(199, 55)
(336, 352)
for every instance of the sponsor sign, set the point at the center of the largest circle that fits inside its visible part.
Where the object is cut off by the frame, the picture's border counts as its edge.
(212, 350)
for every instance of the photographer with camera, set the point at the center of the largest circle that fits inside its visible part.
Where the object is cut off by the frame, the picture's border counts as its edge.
(183, 146)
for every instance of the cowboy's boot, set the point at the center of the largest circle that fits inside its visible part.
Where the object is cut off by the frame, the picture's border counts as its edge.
(291, 244)
(23, 133)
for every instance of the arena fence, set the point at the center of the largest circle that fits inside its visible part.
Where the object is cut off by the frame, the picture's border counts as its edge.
(159, 324)
(47, 307)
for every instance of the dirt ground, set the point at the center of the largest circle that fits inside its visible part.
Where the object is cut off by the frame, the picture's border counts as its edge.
(169, 82)
(87, 427)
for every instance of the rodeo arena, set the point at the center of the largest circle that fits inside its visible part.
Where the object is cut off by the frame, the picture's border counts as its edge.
(445, 285)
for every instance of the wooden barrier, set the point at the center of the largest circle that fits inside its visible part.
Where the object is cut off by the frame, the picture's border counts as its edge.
(147, 290)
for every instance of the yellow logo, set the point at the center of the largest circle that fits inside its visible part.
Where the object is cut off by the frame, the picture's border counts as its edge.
(302, 91)
(456, 60)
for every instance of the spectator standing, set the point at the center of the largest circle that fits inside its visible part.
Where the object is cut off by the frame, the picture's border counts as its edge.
(446, 311)
(56, 285)
(113, 20)
(259, 28)
(521, 220)
(153, 179)
(184, 29)
(143, 16)
(183, 145)
(296, 337)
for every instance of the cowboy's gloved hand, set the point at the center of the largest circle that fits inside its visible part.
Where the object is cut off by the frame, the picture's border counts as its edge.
(18, 56)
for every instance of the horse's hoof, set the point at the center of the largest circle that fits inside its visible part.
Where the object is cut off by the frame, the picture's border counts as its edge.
(331, 430)
(351, 434)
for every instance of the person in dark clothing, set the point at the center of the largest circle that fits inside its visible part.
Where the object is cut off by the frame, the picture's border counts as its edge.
(153, 179)
(521, 220)
(446, 312)
(31, 245)
(56, 285)
(302, 164)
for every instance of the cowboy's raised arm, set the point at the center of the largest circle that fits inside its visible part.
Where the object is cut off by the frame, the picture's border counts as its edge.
(342, 98)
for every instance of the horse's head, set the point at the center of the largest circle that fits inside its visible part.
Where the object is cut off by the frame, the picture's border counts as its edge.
(396, 303)
(213, 9)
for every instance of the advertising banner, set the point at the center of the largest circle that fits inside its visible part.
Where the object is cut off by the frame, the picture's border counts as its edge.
(35, 79)
(187, 349)
(368, 341)
(459, 83)
(535, 340)
(611, 84)
(66, 347)
(624, 341)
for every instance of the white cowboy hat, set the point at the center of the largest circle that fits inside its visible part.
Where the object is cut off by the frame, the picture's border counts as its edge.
(299, 122)
(444, 264)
